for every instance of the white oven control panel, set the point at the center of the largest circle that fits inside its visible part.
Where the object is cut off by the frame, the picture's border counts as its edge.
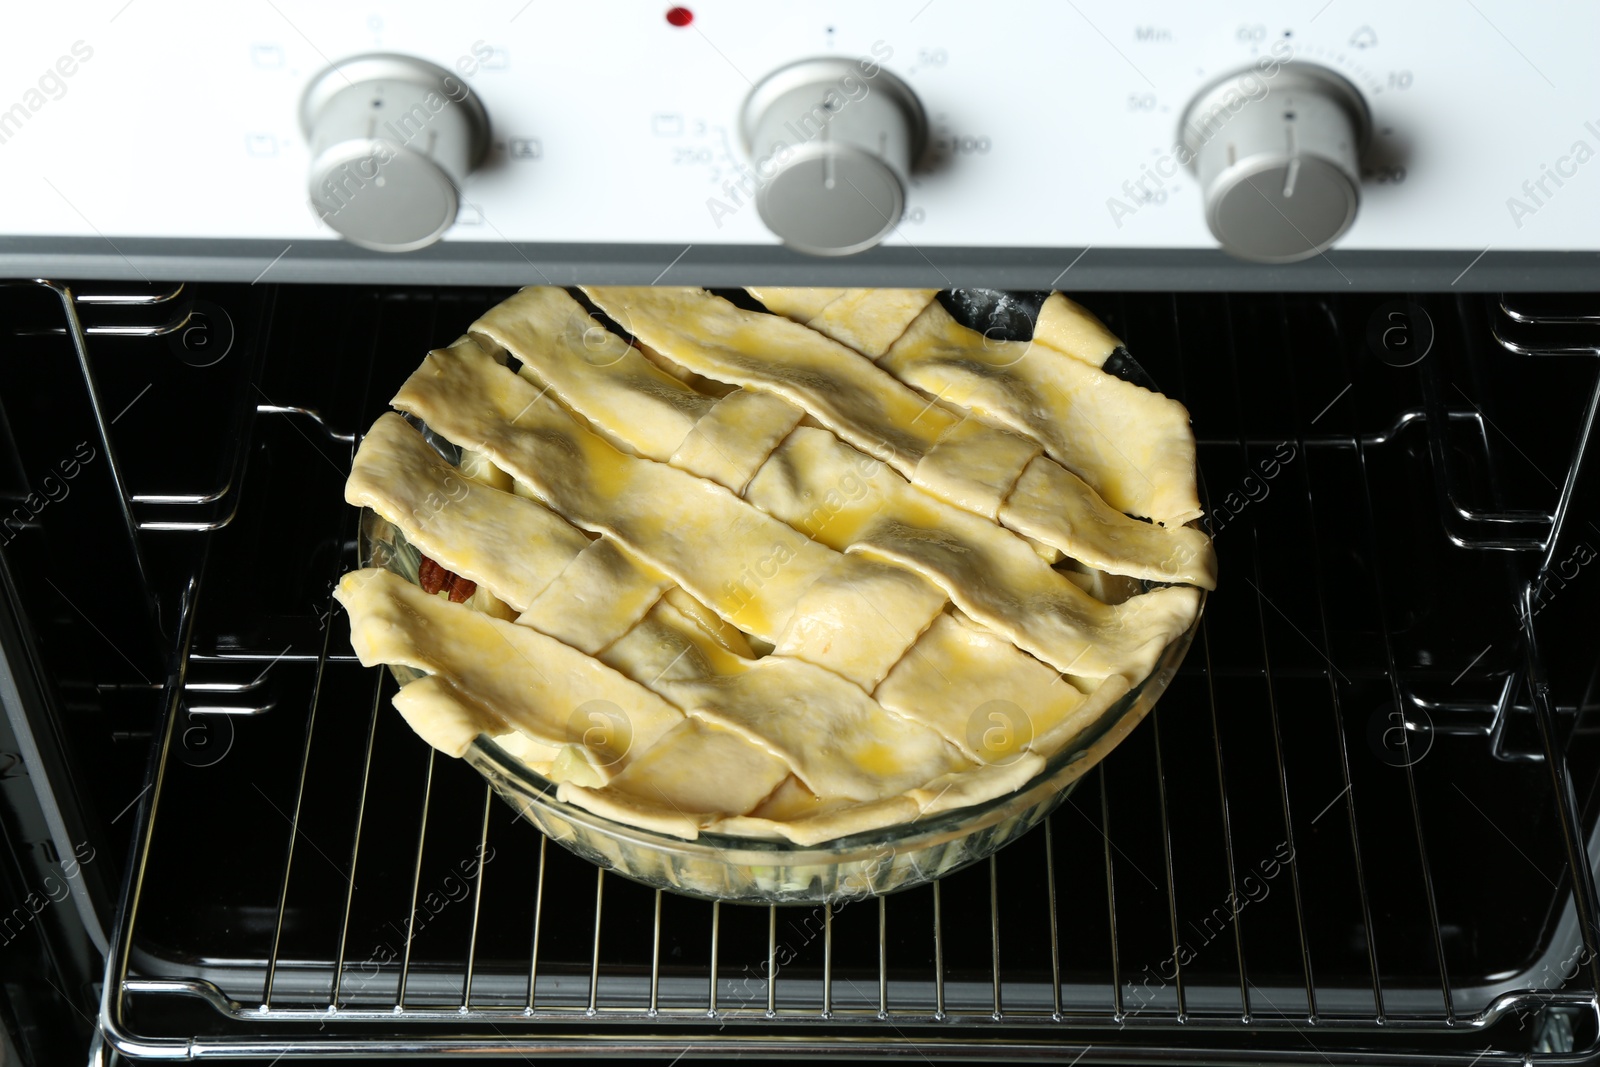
(1099, 124)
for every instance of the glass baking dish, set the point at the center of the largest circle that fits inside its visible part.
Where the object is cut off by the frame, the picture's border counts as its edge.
(751, 870)
(724, 867)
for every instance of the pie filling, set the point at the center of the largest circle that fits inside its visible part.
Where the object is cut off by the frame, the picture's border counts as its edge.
(789, 575)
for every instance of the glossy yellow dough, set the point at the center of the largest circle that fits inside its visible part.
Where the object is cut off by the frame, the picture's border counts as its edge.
(794, 575)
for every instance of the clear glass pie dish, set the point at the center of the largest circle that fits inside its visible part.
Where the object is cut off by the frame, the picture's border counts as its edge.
(752, 870)
(749, 870)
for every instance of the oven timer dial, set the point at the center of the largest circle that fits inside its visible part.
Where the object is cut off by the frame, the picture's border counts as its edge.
(1278, 159)
(832, 141)
(392, 138)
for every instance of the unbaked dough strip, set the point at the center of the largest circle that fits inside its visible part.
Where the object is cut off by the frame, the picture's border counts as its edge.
(444, 717)
(975, 466)
(520, 746)
(834, 819)
(734, 438)
(1134, 447)
(593, 371)
(512, 546)
(978, 691)
(860, 622)
(450, 721)
(819, 484)
(700, 769)
(598, 598)
(1002, 778)
(801, 305)
(1071, 329)
(987, 782)
(1002, 476)
(840, 388)
(1127, 640)
(1051, 504)
(835, 737)
(790, 800)
(543, 687)
(870, 320)
(630, 809)
(694, 775)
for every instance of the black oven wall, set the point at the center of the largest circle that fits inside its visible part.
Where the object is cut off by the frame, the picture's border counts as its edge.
(1362, 683)
(50, 963)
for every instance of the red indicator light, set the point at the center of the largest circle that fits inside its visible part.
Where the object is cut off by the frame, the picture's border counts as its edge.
(680, 16)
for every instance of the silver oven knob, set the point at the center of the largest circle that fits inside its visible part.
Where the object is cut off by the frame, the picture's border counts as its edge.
(1278, 158)
(392, 137)
(833, 141)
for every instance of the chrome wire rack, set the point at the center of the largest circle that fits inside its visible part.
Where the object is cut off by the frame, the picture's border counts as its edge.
(1347, 834)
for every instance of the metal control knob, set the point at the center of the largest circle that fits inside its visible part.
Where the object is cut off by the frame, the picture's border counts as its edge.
(1278, 159)
(833, 142)
(392, 137)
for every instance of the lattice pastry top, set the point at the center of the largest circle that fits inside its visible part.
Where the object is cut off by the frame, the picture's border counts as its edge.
(788, 575)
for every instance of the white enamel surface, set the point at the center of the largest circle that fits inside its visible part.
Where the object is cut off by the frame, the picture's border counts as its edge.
(183, 121)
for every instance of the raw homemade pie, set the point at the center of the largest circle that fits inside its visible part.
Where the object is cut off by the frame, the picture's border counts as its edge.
(791, 575)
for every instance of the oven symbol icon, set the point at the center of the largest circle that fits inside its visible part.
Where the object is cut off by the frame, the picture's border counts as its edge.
(266, 56)
(524, 148)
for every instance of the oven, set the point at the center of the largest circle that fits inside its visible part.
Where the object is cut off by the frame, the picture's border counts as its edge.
(1359, 827)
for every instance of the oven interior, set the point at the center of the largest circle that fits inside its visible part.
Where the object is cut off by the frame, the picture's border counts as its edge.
(1354, 828)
